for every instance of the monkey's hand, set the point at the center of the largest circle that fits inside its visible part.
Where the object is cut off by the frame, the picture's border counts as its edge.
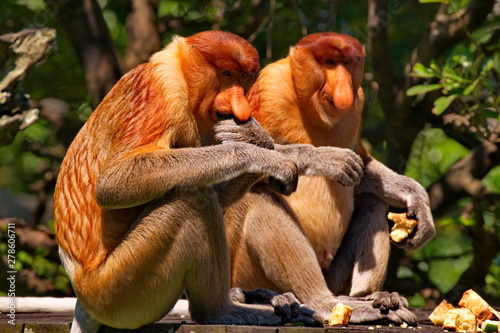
(232, 131)
(251, 132)
(285, 305)
(418, 208)
(342, 165)
(400, 191)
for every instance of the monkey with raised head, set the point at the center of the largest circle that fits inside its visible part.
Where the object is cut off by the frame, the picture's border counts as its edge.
(141, 191)
(326, 238)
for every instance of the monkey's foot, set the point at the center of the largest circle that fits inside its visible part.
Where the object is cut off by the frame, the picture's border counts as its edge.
(285, 305)
(387, 301)
(379, 307)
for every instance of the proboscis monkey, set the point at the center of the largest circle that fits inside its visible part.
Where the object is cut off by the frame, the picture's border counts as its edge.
(325, 237)
(140, 193)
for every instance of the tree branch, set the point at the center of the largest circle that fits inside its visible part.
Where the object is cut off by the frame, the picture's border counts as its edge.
(142, 33)
(19, 52)
(464, 177)
(378, 46)
(87, 31)
(447, 30)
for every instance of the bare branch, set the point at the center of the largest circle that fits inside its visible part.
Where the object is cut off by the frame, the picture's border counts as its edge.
(19, 52)
(142, 33)
(464, 177)
(87, 30)
(378, 46)
(269, 48)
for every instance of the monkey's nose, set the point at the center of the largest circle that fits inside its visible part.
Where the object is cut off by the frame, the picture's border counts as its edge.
(343, 95)
(343, 98)
(239, 104)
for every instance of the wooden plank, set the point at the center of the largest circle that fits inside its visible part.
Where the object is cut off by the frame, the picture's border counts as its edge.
(46, 328)
(60, 322)
(8, 328)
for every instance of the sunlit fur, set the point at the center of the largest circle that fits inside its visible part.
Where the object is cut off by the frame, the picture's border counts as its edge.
(136, 116)
(292, 100)
(315, 246)
(134, 190)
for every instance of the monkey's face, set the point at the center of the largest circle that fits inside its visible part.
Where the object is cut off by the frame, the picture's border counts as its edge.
(338, 92)
(334, 64)
(231, 99)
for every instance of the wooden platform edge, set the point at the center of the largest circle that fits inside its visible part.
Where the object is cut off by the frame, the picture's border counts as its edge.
(60, 323)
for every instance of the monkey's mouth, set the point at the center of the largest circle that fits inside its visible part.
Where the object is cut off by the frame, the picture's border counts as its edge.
(329, 105)
(224, 116)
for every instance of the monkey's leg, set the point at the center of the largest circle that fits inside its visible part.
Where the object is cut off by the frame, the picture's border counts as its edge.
(208, 278)
(275, 254)
(177, 244)
(271, 251)
(143, 276)
(360, 264)
(83, 322)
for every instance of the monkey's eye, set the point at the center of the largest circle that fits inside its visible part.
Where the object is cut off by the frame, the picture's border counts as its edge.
(244, 74)
(348, 61)
(330, 61)
(226, 73)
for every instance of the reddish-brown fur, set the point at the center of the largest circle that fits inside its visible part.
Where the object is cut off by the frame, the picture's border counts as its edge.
(121, 124)
(137, 188)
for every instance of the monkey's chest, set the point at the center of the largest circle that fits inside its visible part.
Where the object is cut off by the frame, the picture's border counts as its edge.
(324, 209)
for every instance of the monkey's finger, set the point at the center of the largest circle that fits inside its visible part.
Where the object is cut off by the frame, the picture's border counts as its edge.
(355, 173)
(228, 137)
(397, 301)
(362, 313)
(403, 302)
(402, 315)
(308, 317)
(381, 300)
(237, 295)
(294, 303)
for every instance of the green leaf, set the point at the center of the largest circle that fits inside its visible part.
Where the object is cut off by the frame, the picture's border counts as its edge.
(471, 87)
(491, 113)
(442, 103)
(451, 74)
(434, 66)
(422, 89)
(422, 71)
(488, 66)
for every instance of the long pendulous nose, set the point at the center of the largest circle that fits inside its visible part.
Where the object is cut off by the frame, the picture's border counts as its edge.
(239, 104)
(343, 94)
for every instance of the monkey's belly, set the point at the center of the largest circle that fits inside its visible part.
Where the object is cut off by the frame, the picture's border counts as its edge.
(324, 208)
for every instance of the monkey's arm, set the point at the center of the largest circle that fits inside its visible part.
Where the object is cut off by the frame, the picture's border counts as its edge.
(342, 165)
(138, 178)
(401, 191)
